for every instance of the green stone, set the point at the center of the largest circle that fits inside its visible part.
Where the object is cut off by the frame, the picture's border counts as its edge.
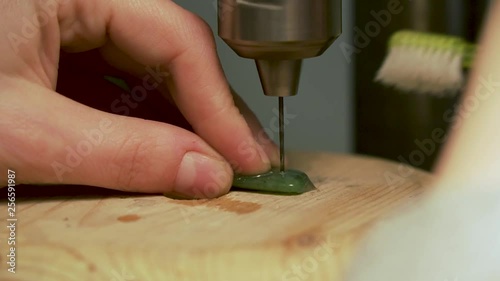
(287, 182)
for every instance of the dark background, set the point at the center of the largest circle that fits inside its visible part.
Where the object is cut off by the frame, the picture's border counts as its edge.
(387, 122)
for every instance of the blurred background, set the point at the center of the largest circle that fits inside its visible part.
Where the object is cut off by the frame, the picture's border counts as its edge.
(339, 108)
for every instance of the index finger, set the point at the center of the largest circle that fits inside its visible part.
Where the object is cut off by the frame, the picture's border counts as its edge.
(159, 31)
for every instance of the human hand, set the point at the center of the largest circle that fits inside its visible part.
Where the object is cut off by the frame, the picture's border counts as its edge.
(121, 152)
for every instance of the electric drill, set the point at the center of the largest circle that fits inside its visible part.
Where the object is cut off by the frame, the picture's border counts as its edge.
(278, 35)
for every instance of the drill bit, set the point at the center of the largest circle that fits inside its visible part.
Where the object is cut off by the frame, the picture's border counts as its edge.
(282, 135)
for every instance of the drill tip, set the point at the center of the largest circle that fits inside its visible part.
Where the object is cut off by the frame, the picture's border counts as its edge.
(282, 135)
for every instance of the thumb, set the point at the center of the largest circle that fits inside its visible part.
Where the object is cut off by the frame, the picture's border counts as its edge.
(55, 140)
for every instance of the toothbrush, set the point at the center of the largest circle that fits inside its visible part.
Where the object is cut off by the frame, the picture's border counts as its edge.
(426, 62)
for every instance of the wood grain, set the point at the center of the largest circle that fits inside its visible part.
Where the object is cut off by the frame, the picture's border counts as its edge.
(240, 236)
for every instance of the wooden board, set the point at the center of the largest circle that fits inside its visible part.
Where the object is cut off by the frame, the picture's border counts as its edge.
(240, 236)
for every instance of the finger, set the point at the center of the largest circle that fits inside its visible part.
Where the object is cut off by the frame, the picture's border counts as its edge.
(159, 32)
(116, 57)
(90, 147)
(258, 131)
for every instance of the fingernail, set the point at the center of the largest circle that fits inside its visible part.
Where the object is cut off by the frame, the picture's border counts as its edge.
(268, 145)
(258, 153)
(200, 176)
(274, 155)
(263, 155)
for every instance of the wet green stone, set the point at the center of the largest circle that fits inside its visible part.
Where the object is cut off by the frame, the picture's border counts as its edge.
(287, 182)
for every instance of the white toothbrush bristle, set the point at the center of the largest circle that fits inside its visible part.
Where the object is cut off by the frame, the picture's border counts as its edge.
(422, 70)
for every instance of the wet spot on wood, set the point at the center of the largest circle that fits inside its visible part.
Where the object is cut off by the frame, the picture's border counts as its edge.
(309, 239)
(129, 218)
(91, 267)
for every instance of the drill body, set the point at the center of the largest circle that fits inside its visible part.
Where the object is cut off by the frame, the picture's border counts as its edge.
(278, 35)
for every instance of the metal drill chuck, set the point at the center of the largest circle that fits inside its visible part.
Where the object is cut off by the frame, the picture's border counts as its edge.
(278, 35)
